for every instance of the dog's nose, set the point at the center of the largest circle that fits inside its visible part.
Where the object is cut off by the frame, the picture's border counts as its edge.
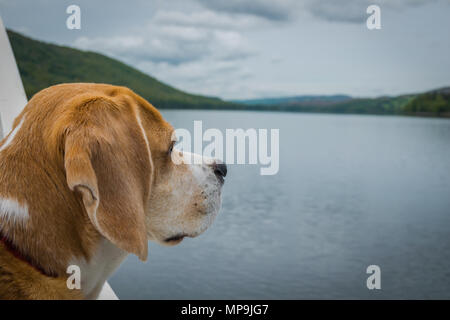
(220, 169)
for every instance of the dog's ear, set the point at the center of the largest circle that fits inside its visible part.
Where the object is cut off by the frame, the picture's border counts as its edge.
(107, 161)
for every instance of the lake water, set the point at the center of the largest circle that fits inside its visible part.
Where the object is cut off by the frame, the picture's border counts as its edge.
(352, 191)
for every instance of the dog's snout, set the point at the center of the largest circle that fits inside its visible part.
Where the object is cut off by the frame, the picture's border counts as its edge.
(220, 169)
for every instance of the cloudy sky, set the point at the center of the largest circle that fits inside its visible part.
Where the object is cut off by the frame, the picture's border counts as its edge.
(238, 49)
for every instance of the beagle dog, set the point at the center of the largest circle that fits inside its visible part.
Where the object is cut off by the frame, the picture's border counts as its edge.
(89, 174)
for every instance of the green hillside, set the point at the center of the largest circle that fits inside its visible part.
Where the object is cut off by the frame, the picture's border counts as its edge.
(42, 65)
(436, 102)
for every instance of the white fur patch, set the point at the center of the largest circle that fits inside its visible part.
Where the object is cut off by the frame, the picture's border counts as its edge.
(12, 134)
(13, 211)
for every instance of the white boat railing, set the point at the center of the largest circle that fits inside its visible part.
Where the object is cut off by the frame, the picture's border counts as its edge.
(12, 94)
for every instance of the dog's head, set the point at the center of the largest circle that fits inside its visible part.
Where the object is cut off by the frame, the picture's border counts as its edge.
(119, 159)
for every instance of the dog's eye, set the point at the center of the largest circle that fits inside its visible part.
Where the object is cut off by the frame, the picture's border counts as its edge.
(171, 147)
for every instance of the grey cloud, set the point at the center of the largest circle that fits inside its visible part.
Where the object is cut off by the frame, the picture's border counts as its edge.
(269, 9)
(354, 11)
(159, 46)
(206, 19)
(172, 44)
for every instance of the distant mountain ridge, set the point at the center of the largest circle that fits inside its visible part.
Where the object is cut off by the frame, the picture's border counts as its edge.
(313, 99)
(43, 64)
(432, 103)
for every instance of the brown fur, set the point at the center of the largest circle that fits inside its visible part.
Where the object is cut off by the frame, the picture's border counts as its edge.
(19, 280)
